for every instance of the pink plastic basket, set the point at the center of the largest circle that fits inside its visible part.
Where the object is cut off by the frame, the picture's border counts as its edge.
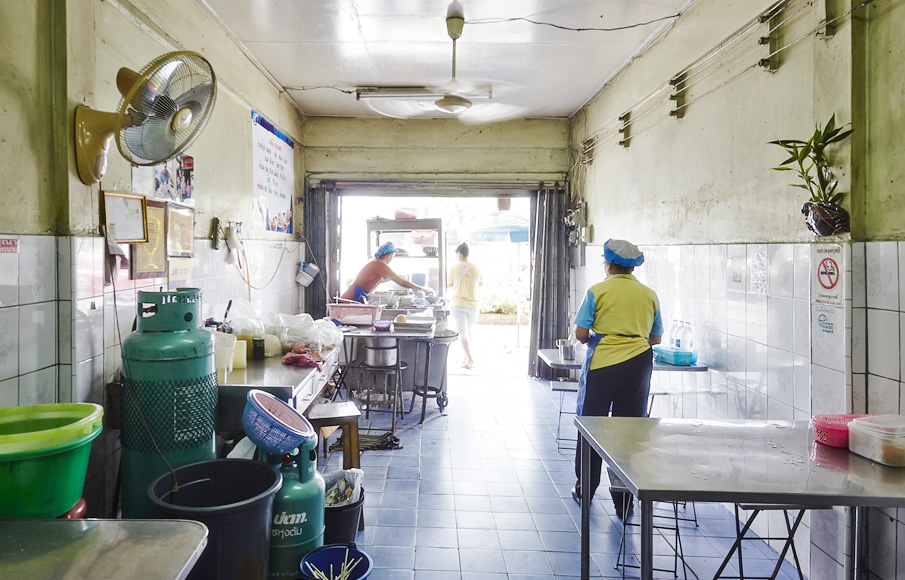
(355, 314)
(832, 430)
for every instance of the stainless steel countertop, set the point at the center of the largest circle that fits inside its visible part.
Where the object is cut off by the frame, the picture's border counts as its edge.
(271, 375)
(555, 361)
(738, 461)
(100, 549)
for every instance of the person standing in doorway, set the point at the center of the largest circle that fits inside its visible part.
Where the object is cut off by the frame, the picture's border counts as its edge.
(464, 279)
(619, 320)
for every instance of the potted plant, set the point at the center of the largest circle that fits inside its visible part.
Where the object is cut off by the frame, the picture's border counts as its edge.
(823, 215)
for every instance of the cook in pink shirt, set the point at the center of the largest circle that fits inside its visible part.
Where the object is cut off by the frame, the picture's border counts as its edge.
(377, 271)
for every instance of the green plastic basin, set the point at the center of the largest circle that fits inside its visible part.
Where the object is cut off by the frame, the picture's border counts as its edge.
(44, 483)
(36, 427)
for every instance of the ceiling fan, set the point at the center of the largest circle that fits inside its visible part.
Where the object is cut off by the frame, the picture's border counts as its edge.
(467, 102)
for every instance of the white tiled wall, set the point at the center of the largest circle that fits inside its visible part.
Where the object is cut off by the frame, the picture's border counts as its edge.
(749, 306)
(62, 327)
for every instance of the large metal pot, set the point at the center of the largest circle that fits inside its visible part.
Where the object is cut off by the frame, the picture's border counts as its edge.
(380, 356)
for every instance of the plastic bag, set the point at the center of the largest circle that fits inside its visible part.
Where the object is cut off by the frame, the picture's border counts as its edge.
(272, 345)
(342, 487)
(244, 449)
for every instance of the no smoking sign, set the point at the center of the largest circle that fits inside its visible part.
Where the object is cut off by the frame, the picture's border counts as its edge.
(827, 289)
(828, 273)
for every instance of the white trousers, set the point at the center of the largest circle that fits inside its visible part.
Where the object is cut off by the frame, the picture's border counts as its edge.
(463, 319)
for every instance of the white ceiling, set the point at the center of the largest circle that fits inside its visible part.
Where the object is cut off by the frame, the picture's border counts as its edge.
(534, 70)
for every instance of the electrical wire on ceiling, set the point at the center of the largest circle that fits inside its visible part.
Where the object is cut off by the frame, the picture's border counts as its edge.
(587, 152)
(560, 27)
(345, 91)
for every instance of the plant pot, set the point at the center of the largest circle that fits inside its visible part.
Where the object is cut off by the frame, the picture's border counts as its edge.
(825, 219)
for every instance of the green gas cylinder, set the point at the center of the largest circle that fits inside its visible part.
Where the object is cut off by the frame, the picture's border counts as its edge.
(169, 377)
(297, 526)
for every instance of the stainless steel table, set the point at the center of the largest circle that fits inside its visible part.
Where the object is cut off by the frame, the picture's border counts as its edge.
(395, 335)
(100, 549)
(296, 385)
(731, 461)
(552, 358)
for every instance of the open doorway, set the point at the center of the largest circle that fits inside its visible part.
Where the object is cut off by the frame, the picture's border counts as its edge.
(496, 231)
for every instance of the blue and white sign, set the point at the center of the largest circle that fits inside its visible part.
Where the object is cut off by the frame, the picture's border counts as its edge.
(273, 176)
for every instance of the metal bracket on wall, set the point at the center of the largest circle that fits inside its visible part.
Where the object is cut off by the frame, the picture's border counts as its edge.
(826, 14)
(772, 17)
(678, 83)
(625, 130)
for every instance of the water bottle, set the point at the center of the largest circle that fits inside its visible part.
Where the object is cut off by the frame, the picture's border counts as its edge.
(674, 333)
(687, 337)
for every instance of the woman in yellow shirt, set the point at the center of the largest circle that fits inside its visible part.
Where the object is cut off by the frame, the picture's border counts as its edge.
(464, 279)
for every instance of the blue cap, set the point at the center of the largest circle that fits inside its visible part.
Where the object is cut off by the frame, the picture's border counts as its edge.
(387, 248)
(622, 253)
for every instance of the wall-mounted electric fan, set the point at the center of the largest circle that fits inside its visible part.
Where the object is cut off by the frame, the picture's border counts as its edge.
(163, 110)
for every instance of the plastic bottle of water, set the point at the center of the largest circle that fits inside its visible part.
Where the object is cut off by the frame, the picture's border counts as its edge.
(674, 333)
(687, 337)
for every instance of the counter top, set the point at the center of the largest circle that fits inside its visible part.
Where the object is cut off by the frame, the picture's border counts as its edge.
(555, 361)
(100, 549)
(271, 375)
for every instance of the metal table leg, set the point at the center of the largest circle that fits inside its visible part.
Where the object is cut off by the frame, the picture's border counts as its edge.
(585, 507)
(647, 540)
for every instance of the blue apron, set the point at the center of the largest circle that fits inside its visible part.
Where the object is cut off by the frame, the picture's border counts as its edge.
(585, 367)
(360, 294)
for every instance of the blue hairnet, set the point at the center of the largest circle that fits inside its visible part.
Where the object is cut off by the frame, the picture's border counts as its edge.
(387, 248)
(622, 253)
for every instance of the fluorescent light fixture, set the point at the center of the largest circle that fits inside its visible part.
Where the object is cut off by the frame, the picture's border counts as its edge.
(364, 93)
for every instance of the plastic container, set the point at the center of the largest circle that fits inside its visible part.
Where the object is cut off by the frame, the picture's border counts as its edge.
(674, 356)
(832, 430)
(37, 427)
(335, 555)
(355, 314)
(234, 499)
(273, 425)
(383, 324)
(44, 483)
(341, 523)
(880, 438)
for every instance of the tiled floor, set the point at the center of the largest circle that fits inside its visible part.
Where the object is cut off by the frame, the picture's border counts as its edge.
(482, 493)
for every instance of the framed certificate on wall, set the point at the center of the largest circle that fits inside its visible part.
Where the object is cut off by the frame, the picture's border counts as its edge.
(125, 216)
(149, 260)
(180, 231)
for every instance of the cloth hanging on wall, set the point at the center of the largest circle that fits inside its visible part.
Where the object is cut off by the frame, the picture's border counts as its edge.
(550, 284)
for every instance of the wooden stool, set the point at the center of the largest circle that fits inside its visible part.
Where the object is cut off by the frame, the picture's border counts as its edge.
(344, 414)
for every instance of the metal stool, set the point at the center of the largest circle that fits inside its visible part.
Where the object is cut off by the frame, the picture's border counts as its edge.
(563, 386)
(789, 539)
(420, 386)
(672, 515)
(385, 373)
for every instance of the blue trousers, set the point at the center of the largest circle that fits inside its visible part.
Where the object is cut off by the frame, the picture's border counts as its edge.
(620, 390)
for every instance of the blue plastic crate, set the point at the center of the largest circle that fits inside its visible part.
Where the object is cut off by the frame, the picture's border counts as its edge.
(673, 356)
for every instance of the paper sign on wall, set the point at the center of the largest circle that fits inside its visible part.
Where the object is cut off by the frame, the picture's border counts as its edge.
(828, 270)
(273, 176)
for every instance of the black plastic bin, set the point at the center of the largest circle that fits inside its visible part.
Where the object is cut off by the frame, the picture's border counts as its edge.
(341, 523)
(234, 499)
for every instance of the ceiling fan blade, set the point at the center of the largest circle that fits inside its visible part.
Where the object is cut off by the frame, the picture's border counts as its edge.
(406, 108)
(483, 112)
